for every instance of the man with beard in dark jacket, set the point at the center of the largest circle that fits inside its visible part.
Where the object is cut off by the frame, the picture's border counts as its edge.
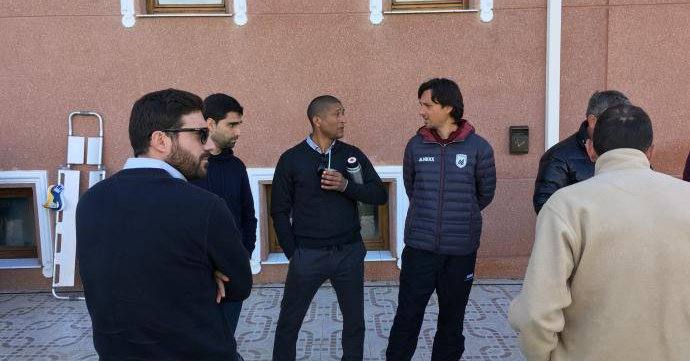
(567, 162)
(449, 176)
(149, 243)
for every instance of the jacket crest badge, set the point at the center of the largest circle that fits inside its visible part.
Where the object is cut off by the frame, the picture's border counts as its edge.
(461, 160)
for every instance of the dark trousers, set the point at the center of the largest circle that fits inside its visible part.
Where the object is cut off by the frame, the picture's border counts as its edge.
(421, 273)
(232, 310)
(309, 269)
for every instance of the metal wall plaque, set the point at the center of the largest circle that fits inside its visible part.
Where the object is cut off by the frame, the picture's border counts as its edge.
(519, 139)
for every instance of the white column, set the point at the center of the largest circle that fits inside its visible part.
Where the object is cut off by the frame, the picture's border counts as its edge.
(553, 72)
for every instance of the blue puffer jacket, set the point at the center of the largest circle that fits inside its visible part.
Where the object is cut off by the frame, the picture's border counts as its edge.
(448, 185)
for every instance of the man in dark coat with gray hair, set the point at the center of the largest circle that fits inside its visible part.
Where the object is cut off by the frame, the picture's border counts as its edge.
(449, 177)
(567, 162)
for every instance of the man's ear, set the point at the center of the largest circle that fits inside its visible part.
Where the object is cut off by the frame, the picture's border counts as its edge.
(589, 145)
(650, 152)
(160, 143)
(591, 121)
(316, 122)
(448, 109)
(211, 124)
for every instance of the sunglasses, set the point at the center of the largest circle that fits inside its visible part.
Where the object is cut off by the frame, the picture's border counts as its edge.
(203, 132)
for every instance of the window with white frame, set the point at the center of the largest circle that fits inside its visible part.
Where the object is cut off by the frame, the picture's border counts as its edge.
(374, 222)
(429, 4)
(187, 6)
(18, 229)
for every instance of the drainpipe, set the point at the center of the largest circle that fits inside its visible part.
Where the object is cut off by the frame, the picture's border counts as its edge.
(553, 72)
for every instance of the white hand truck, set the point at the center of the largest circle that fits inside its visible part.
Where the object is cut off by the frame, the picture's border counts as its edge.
(65, 242)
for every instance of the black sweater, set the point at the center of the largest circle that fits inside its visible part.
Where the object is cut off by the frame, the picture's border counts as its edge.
(147, 245)
(319, 217)
(226, 177)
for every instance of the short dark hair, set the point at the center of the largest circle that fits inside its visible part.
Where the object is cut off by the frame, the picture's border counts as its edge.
(623, 126)
(159, 110)
(217, 106)
(602, 100)
(319, 104)
(445, 92)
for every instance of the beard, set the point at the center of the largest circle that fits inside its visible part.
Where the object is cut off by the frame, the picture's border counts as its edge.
(185, 163)
(224, 143)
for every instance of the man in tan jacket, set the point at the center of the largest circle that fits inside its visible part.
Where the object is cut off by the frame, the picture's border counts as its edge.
(609, 275)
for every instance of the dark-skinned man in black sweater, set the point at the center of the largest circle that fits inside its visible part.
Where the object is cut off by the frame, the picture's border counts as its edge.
(314, 210)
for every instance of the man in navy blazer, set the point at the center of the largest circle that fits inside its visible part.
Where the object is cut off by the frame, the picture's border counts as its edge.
(153, 260)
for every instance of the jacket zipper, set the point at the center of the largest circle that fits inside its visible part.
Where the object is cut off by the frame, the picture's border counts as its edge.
(437, 241)
(439, 213)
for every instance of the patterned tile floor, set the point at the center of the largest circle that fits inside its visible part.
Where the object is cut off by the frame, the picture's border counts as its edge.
(39, 327)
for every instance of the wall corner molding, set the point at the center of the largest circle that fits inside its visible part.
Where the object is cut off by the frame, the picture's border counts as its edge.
(553, 73)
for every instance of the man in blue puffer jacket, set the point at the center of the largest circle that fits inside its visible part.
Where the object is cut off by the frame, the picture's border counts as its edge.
(450, 177)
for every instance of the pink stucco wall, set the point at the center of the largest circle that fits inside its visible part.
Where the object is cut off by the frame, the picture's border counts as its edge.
(57, 57)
